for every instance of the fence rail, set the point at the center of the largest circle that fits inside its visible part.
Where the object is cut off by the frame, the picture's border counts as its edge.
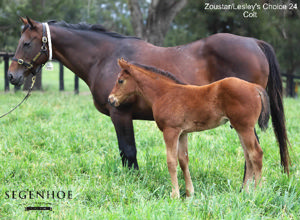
(6, 56)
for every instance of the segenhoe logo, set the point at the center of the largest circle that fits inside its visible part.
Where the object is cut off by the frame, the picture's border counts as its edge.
(39, 195)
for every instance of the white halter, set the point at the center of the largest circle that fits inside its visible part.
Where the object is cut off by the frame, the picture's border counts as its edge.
(49, 65)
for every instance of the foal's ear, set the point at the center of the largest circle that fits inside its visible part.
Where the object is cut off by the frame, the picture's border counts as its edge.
(124, 64)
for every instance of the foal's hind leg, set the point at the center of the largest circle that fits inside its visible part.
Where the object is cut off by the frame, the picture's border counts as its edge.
(253, 155)
(245, 167)
(183, 158)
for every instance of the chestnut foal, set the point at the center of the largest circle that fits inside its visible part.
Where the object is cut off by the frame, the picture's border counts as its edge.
(179, 109)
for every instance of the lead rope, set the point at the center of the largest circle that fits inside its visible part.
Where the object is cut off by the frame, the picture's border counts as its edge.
(26, 97)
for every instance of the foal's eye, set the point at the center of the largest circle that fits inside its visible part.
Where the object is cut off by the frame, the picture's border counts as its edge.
(120, 81)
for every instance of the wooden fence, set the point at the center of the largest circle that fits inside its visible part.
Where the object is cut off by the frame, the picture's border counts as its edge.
(6, 57)
(292, 84)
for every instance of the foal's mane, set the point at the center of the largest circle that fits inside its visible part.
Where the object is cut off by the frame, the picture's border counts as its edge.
(160, 72)
(82, 26)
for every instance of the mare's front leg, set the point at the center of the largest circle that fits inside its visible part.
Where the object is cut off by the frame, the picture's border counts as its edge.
(171, 136)
(183, 158)
(125, 134)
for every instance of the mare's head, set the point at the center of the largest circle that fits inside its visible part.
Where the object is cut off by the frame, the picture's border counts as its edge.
(26, 59)
(125, 85)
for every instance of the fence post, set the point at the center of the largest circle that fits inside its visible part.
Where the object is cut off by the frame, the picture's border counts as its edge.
(76, 89)
(6, 64)
(289, 85)
(293, 93)
(61, 77)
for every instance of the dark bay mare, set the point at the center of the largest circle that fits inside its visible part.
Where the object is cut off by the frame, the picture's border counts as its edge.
(91, 52)
(179, 109)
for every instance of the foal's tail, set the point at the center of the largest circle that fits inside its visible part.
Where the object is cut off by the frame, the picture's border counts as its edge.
(274, 88)
(264, 116)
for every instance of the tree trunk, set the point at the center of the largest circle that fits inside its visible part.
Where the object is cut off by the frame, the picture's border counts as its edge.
(160, 15)
(136, 17)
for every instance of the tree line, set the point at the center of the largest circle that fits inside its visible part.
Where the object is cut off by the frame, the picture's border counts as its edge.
(166, 22)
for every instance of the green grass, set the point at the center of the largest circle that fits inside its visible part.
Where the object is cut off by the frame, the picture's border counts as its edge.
(58, 141)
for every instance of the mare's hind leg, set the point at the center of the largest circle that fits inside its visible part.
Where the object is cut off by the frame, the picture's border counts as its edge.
(183, 158)
(253, 155)
(171, 137)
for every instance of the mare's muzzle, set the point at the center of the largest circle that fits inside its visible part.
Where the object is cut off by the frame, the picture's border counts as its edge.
(16, 78)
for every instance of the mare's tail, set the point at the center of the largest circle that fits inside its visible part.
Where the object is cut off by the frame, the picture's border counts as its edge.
(274, 89)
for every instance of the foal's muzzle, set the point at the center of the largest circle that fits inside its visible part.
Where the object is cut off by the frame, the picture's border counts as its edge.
(112, 100)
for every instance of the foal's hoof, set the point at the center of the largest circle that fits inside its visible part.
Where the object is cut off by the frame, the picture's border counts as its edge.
(175, 195)
(189, 194)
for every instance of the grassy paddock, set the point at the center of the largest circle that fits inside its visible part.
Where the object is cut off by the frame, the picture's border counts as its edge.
(59, 142)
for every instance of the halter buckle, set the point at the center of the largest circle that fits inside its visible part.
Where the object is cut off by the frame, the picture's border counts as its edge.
(30, 66)
(20, 61)
(43, 48)
(44, 39)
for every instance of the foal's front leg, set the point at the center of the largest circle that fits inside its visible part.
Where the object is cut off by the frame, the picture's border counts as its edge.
(171, 136)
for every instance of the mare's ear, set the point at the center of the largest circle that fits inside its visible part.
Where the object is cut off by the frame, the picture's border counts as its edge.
(32, 23)
(124, 64)
(23, 20)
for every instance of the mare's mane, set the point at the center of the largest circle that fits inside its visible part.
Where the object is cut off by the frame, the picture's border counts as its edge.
(82, 26)
(160, 72)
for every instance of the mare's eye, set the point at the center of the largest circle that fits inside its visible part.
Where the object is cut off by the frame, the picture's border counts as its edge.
(120, 81)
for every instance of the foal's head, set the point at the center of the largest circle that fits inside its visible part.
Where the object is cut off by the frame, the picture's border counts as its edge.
(125, 85)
